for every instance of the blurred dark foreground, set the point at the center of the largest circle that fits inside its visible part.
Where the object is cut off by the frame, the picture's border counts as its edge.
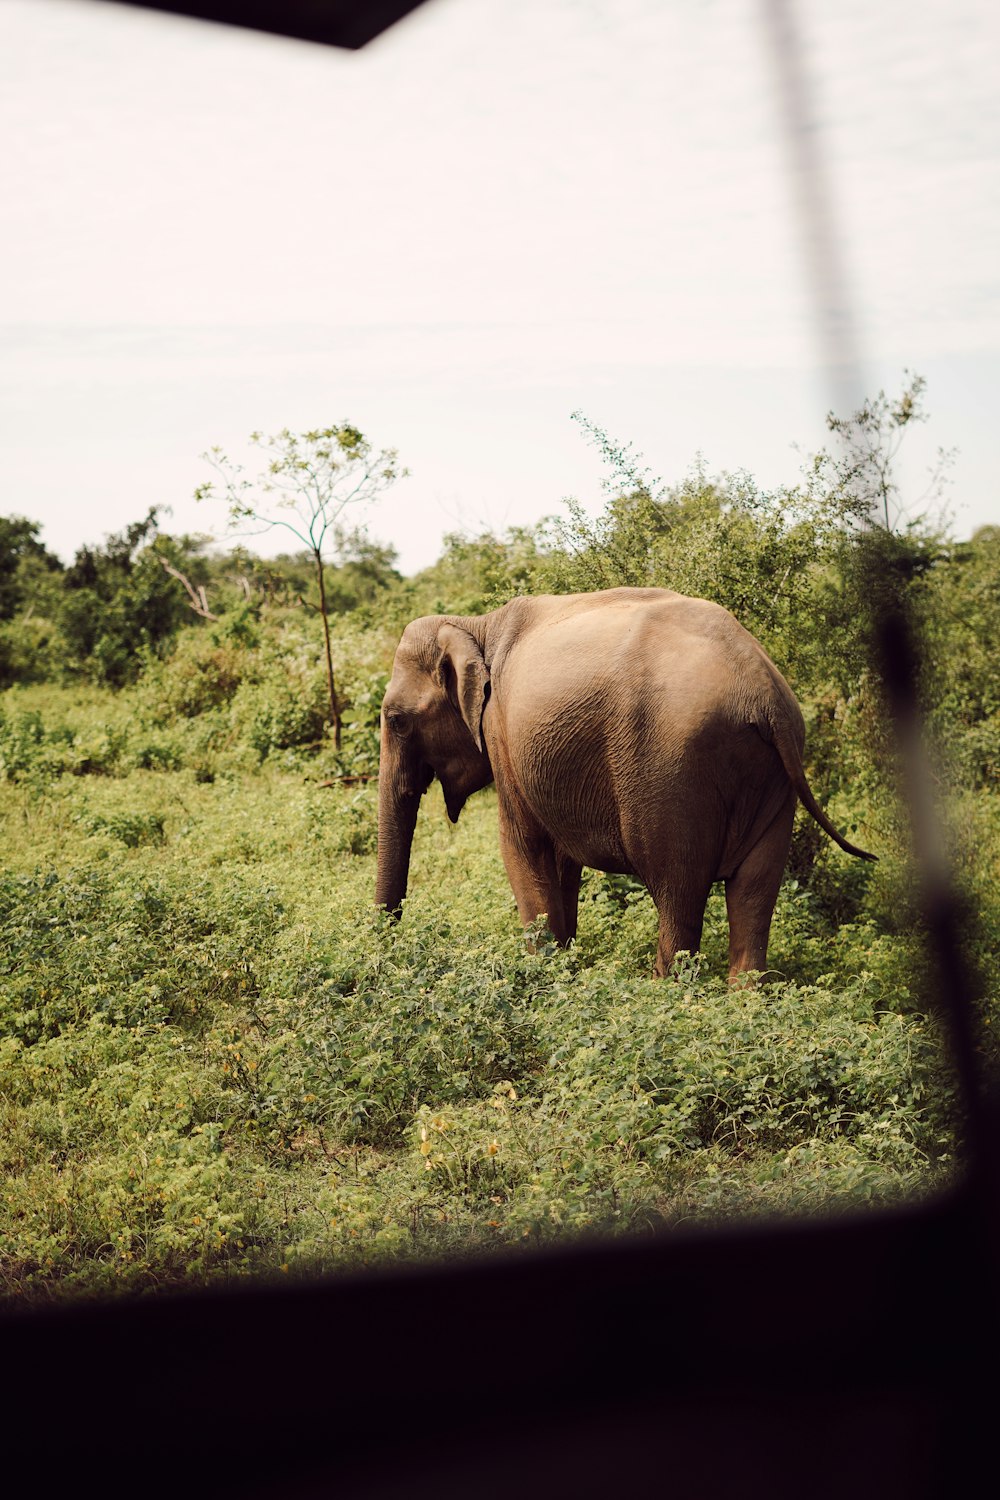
(847, 1358)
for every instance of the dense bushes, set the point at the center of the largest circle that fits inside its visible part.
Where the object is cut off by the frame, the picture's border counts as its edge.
(218, 1060)
(90, 948)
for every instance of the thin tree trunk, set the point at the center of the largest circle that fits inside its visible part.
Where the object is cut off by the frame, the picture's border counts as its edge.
(334, 710)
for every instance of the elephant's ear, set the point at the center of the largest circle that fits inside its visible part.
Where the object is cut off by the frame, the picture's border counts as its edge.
(464, 676)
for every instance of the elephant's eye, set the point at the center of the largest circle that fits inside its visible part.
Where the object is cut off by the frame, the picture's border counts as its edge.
(398, 722)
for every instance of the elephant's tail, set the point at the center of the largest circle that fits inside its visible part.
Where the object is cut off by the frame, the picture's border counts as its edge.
(784, 742)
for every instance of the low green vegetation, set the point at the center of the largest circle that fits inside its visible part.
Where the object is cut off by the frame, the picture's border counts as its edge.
(217, 1060)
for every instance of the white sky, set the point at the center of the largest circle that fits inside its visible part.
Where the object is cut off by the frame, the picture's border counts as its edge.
(500, 211)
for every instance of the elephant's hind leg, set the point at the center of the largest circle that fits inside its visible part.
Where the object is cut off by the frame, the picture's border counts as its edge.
(681, 893)
(751, 892)
(680, 928)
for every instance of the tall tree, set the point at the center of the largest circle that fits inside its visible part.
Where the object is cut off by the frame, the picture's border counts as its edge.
(309, 481)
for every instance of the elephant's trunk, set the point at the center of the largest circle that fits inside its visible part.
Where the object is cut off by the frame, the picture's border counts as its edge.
(397, 818)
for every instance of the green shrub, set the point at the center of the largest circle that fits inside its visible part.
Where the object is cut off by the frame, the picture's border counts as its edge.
(32, 649)
(130, 829)
(29, 748)
(285, 706)
(155, 752)
(201, 673)
(355, 823)
(361, 719)
(23, 742)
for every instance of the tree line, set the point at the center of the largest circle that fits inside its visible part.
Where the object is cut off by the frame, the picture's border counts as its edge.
(802, 568)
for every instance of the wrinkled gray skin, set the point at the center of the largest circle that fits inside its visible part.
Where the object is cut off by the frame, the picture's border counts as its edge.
(635, 731)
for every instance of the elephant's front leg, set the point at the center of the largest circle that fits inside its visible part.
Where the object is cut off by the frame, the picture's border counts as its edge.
(543, 884)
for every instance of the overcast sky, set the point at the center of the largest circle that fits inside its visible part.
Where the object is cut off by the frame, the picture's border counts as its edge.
(499, 212)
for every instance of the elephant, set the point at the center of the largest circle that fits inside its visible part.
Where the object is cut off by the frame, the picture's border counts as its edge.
(633, 730)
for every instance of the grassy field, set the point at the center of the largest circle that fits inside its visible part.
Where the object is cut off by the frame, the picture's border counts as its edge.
(217, 1061)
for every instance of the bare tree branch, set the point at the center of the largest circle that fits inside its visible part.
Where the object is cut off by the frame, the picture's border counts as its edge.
(197, 599)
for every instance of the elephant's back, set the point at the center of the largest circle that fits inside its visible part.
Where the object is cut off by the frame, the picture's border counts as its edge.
(637, 720)
(649, 658)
